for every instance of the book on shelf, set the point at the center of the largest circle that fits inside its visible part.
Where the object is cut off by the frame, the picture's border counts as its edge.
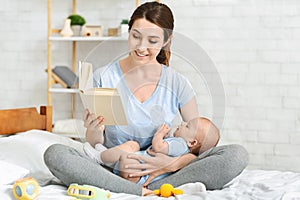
(104, 102)
(65, 76)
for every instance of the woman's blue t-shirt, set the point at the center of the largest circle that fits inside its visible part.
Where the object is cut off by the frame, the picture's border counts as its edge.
(171, 93)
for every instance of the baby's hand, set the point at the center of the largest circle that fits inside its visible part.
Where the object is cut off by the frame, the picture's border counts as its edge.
(164, 130)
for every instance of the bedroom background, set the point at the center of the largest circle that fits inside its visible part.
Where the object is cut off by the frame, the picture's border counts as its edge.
(255, 45)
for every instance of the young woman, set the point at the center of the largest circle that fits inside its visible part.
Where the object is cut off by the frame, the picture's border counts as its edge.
(152, 93)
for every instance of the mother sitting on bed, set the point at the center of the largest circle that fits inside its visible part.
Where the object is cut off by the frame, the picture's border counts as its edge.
(154, 93)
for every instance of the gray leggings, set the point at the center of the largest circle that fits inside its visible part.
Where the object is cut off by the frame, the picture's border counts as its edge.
(214, 168)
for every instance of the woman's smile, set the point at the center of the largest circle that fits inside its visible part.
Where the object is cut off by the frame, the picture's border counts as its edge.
(141, 54)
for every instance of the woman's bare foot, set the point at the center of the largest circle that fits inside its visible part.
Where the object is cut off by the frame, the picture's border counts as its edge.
(146, 192)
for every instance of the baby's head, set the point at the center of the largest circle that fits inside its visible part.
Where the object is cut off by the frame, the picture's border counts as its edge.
(199, 133)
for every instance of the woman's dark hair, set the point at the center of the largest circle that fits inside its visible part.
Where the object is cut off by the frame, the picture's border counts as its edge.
(160, 15)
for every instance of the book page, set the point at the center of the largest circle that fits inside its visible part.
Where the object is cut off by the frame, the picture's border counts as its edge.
(99, 91)
(104, 102)
(85, 76)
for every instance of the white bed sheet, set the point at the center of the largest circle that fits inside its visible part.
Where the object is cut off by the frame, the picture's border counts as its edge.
(251, 184)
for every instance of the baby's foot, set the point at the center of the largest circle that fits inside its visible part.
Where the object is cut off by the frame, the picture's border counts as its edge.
(92, 153)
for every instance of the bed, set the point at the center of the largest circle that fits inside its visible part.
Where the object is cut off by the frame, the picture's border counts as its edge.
(26, 134)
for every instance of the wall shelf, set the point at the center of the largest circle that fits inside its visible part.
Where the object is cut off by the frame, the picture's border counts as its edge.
(86, 39)
(63, 90)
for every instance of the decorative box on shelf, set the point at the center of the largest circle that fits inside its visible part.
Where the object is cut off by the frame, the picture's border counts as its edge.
(92, 31)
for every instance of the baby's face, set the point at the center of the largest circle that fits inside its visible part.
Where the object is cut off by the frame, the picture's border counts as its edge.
(187, 130)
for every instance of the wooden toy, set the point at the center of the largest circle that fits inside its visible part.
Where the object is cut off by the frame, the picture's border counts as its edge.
(25, 189)
(88, 192)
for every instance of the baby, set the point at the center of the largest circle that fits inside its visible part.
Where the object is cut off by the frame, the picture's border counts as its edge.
(195, 136)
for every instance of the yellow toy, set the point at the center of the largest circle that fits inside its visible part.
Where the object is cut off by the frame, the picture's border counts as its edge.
(88, 192)
(167, 190)
(26, 189)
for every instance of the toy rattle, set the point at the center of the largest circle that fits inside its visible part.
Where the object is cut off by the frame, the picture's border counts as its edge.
(167, 190)
(88, 192)
(26, 189)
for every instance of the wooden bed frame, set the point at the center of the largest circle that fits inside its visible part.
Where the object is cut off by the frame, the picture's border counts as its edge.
(24, 119)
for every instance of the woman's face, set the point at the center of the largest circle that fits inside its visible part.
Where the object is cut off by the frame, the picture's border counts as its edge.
(145, 41)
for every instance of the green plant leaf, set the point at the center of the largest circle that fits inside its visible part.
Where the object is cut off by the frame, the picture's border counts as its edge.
(76, 20)
(124, 21)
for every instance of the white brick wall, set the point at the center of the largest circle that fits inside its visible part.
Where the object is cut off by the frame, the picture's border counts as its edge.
(255, 45)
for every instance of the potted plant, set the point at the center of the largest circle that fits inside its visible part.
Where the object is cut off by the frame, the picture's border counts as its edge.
(123, 28)
(124, 21)
(77, 21)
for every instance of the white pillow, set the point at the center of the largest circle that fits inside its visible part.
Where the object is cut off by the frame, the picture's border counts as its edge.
(70, 127)
(9, 173)
(27, 149)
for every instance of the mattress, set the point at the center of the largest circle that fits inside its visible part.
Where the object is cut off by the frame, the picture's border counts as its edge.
(21, 155)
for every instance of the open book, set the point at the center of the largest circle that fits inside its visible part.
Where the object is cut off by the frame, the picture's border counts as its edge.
(104, 102)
